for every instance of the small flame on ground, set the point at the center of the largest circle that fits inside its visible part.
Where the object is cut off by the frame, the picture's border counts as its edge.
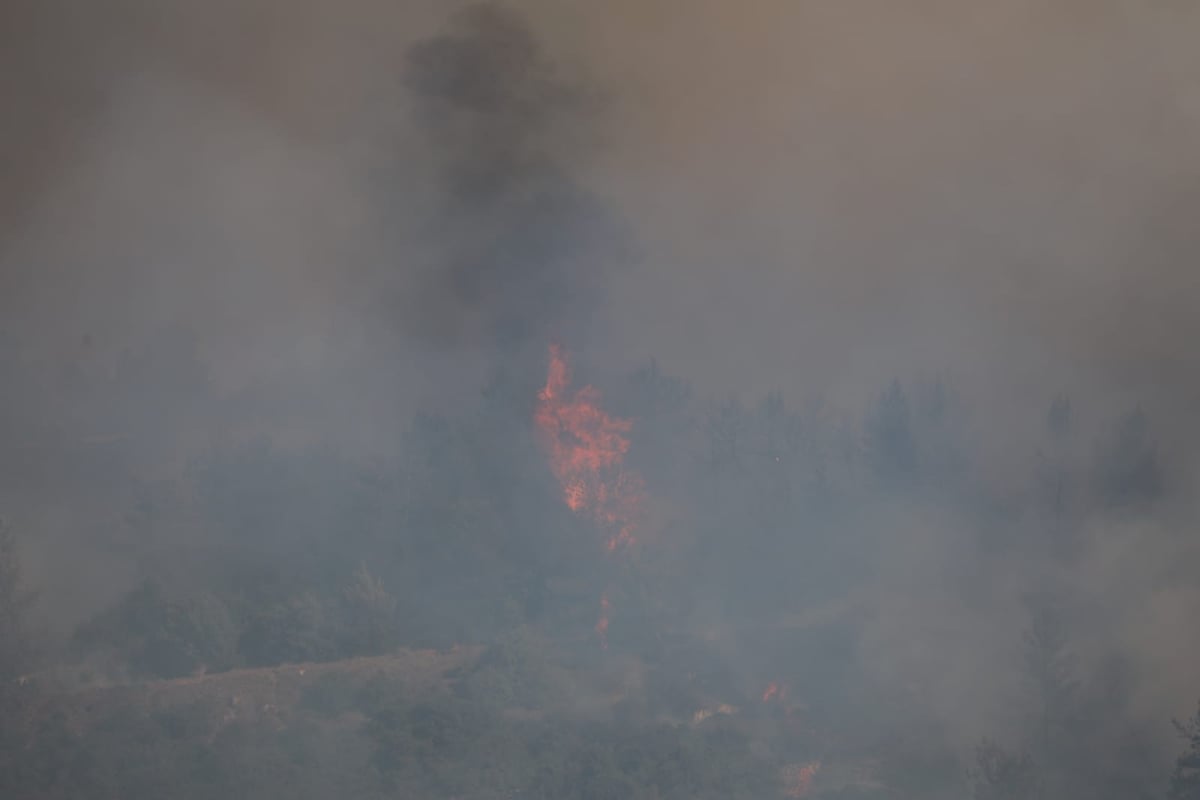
(775, 691)
(798, 778)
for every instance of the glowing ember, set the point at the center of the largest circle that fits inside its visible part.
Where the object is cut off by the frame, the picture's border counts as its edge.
(797, 778)
(775, 691)
(586, 448)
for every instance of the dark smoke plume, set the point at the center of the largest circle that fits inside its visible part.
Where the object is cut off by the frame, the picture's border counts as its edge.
(519, 242)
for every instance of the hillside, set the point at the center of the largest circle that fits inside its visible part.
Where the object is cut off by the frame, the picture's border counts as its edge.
(469, 722)
(272, 694)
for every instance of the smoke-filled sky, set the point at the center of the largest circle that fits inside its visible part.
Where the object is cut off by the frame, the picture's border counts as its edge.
(812, 193)
(357, 208)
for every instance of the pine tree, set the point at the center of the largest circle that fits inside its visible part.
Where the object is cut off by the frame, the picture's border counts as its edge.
(1185, 780)
(15, 643)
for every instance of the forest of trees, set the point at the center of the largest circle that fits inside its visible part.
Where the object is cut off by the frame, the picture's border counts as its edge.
(256, 554)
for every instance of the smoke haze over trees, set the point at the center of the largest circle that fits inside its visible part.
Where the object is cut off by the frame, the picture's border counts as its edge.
(889, 308)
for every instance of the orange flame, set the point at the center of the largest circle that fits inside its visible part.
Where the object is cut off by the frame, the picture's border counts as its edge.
(775, 691)
(586, 448)
(798, 779)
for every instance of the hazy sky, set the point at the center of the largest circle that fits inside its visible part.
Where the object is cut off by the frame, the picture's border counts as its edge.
(817, 194)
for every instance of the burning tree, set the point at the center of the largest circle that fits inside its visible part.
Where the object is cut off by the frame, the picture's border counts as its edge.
(587, 449)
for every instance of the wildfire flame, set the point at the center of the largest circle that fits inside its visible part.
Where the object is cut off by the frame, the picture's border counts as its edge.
(798, 778)
(774, 691)
(586, 448)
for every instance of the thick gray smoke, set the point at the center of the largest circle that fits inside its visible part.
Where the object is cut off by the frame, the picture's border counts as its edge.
(519, 245)
(226, 221)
